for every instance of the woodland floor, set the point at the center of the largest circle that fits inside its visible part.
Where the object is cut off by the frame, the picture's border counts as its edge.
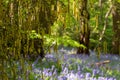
(79, 67)
(66, 65)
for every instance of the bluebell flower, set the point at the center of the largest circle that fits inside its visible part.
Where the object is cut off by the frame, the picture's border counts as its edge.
(111, 78)
(94, 79)
(101, 78)
(65, 71)
(79, 73)
(95, 71)
(81, 76)
(50, 73)
(88, 75)
(46, 72)
(72, 76)
(62, 78)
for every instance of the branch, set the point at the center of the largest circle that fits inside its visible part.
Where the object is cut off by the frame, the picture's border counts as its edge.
(105, 25)
(102, 63)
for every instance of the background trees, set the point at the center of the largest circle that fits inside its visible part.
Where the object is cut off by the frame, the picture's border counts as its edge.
(116, 27)
(20, 20)
(29, 26)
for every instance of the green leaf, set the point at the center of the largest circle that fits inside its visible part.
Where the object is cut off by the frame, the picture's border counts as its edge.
(33, 35)
(118, 1)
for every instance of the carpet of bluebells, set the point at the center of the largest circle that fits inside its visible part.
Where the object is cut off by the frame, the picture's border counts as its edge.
(65, 65)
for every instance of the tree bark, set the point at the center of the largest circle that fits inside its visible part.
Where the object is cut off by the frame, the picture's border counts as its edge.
(84, 30)
(116, 28)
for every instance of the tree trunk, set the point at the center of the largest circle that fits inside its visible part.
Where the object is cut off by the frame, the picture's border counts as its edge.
(84, 30)
(116, 28)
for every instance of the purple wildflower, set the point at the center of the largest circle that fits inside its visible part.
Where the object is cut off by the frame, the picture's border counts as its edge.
(88, 75)
(62, 78)
(78, 73)
(81, 76)
(111, 78)
(95, 71)
(65, 71)
(101, 78)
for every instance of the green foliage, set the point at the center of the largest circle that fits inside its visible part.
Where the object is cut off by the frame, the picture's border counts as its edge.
(87, 70)
(118, 1)
(33, 35)
(64, 40)
(97, 18)
(66, 28)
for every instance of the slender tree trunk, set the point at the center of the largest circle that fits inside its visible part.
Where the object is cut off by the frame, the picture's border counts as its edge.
(84, 30)
(116, 28)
